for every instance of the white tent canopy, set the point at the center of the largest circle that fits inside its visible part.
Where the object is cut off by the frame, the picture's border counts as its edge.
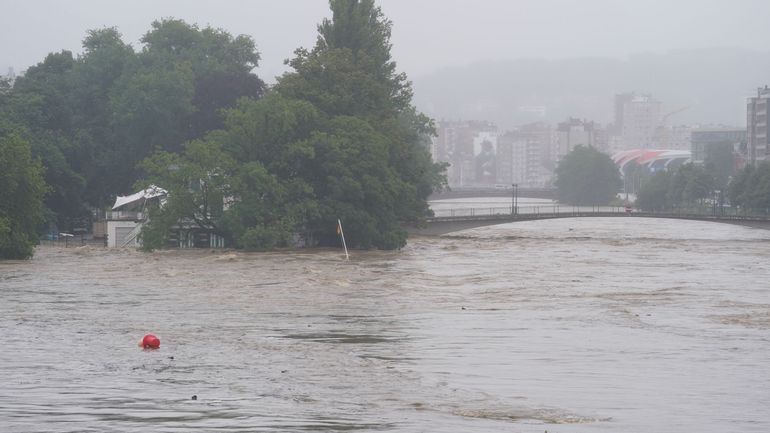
(151, 191)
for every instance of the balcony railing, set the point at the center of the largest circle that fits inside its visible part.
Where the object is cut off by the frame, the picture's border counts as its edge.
(119, 215)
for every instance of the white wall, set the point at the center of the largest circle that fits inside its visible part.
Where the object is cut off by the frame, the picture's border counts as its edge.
(112, 228)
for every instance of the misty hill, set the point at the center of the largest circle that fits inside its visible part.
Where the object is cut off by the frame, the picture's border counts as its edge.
(713, 83)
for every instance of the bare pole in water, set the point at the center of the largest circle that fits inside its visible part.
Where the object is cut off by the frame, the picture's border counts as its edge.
(342, 235)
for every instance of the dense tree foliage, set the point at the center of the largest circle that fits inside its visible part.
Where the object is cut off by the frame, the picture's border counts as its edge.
(93, 117)
(720, 161)
(690, 185)
(242, 182)
(336, 138)
(372, 129)
(586, 176)
(21, 195)
(653, 195)
(750, 189)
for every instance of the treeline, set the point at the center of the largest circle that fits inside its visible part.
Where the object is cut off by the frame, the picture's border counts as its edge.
(91, 118)
(691, 186)
(336, 138)
(750, 189)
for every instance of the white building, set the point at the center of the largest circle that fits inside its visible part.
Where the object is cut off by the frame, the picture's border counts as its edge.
(757, 122)
(520, 160)
(124, 221)
(572, 133)
(637, 120)
(459, 143)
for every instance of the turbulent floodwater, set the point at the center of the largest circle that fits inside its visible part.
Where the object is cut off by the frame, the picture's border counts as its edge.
(573, 325)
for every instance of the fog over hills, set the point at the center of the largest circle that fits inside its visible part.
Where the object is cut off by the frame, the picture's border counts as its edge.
(712, 83)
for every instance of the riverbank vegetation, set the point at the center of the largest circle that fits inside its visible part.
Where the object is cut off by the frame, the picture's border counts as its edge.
(21, 196)
(750, 189)
(693, 186)
(689, 186)
(586, 176)
(336, 138)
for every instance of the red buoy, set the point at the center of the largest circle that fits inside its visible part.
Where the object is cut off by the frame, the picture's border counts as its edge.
(150, 342)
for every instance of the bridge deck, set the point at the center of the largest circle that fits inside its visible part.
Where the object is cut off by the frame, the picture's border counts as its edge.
(452, 220)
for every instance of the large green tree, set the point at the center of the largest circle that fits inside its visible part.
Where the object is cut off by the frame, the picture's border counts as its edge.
(654, 194)
(350, 77)
(41, 102)
(185, 77)
(91, 118)
(336, 138)
(586, 176)
(691, 184)
(243, 182)
(720, 161)
(750, 189)
(688, 186)
(21, 196)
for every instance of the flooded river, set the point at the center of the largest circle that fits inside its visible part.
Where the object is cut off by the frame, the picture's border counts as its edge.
(573, 325)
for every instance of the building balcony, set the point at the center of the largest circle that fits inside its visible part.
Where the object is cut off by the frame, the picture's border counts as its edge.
(119, 215)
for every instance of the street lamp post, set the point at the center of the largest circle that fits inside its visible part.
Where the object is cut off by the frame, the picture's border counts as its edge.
(514, 200)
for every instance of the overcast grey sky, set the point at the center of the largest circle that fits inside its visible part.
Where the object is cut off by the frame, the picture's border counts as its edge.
(427, 34)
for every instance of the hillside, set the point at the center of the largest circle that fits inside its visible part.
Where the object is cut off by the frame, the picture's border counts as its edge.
(713, 83)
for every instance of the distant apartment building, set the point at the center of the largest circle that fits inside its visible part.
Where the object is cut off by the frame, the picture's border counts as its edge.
(678, 137)
(523, 155)
(572, 133)
(542, 134)
(520, 159)
(620, 103)
(485, 158)
(10, 75)
(459, 144)
(756, 122)
(704, 137)
(637, 118)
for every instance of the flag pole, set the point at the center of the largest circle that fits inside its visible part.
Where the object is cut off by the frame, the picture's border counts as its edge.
(342, 235)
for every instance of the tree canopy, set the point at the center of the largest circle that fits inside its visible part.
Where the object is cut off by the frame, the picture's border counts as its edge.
(21, 196)
(720, 161)
(92, 118)
(586, 176)
(688, 185)
(336, 138)
(750, 189)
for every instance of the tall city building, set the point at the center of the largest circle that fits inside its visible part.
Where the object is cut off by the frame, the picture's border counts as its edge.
(677, 137)
(756, 122)
(458, 143)
(572, 133)
(523, 155)
(704, 137)
(637, 118)
(620, 103)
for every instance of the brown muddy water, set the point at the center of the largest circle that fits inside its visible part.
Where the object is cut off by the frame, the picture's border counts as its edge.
(574, 325)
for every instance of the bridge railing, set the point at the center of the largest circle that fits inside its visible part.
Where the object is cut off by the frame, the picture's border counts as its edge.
(719, 211)
(563, 210)
(541, 210)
